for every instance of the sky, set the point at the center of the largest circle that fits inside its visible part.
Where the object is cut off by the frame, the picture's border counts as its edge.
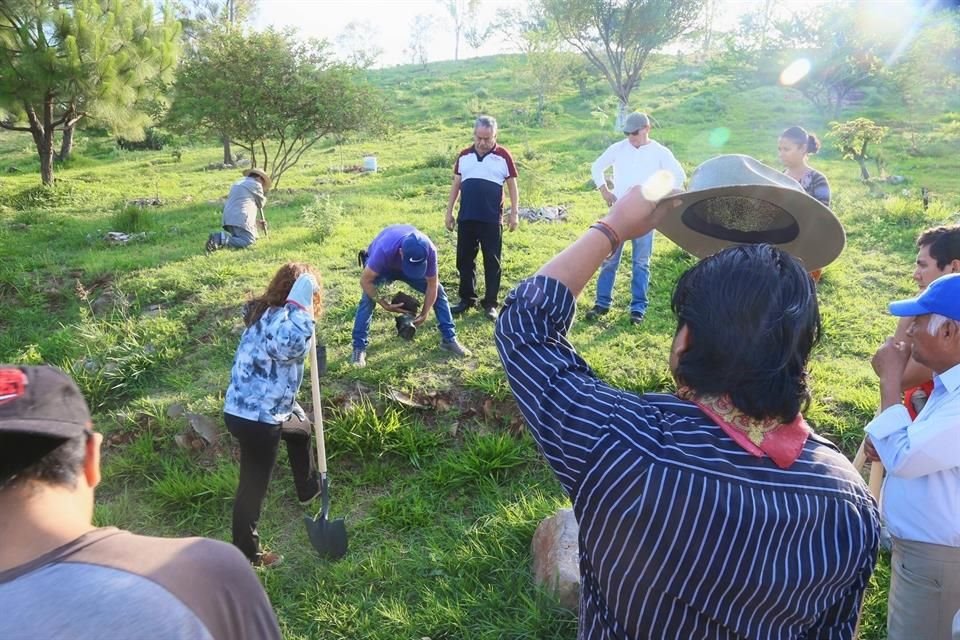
(391, 21)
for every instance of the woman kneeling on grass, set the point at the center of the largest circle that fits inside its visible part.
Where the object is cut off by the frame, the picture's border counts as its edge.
(267, 372)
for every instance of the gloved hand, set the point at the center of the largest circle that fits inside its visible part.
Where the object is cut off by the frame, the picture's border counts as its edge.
(298, 411)
(302, 291)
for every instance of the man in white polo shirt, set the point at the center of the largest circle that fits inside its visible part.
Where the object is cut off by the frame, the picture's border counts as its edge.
(636, 160)
(479, 176)
(921, 495)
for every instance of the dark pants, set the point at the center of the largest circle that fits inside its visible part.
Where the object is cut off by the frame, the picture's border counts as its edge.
(259, 442)
(487, 237)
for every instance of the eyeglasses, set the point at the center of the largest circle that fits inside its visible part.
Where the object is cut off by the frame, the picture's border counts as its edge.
(632, 133)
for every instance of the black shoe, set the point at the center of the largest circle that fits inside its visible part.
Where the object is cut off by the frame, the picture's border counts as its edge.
(213, 242)
(596, 312)
(313, 492)
(490, 313)
(460, 307)
(636, 317)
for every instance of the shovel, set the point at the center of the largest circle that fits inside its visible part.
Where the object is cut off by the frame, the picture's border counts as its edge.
(329, 538)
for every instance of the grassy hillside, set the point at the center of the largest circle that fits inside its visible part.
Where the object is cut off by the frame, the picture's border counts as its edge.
(441, 502)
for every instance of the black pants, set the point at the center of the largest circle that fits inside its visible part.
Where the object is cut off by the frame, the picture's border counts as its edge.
(259, 443)
(487, 237)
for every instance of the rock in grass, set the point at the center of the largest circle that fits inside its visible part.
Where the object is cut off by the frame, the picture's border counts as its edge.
(555, 551)
(204, 427)
(176, 410)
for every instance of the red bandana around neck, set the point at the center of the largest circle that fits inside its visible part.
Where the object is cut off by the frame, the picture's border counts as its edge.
(781, 442)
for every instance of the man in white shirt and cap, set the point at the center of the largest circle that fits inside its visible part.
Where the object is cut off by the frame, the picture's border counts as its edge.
(921, 494)
(636, 160)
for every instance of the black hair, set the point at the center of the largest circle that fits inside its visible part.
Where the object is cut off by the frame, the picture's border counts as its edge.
(753, 319)
(944, 243)
(29, 457)
(799, 135)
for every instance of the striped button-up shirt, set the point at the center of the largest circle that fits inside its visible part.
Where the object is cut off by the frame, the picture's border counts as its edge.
(683, 534)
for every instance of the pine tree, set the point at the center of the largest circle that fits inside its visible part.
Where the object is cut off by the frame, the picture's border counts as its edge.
(65, 60)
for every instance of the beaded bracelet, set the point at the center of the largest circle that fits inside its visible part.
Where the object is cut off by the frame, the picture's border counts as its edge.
(611, 234)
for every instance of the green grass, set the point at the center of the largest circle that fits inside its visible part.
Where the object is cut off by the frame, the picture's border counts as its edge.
(441, 502)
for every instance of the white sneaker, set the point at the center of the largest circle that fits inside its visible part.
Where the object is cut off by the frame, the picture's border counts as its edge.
(359, 358)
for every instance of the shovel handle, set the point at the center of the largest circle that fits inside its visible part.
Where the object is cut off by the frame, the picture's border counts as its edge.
(317, 408)
(876, 479)
(876, 470)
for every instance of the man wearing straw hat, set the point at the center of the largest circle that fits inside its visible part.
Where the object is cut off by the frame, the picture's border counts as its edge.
(714, 512)
(243, 212)
(921, 494)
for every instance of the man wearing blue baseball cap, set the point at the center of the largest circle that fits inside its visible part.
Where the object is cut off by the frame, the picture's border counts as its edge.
(401, 252)
(921, 495)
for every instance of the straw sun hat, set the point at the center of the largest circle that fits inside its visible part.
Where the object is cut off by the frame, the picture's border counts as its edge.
(734, 199)
(267, 182)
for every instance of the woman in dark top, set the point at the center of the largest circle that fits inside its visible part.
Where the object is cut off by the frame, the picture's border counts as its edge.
(794, 147)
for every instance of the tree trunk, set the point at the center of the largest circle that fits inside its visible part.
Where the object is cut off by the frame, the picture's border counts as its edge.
(622, 114)
(227, 153)
(863, 168)
(709, 9)
(41, 128)
(66, 144)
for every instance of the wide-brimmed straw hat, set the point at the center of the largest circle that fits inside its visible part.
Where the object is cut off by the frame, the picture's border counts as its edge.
(735, 199)
(267, 182)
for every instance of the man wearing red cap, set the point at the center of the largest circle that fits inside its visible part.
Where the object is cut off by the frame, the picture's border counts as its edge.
(921, 493)
(62, 577)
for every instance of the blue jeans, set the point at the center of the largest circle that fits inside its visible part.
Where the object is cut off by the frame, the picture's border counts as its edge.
(236, 237)
(441, 308)
(642, 248)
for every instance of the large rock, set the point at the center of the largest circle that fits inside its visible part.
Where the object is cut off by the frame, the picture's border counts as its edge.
(555, 553)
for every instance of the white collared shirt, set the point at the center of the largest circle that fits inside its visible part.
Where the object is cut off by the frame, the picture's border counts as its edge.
(633, 165)
(921, 495)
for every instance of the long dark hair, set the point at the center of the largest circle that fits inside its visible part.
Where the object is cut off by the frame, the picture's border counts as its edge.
(753, 319)
(278, 290)
(800, 136)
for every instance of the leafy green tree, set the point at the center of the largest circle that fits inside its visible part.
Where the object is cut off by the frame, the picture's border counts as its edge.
(211, 18)
(199, 15)
(62, 61)
(853, 137)
(927, 73)
(543, 65)
(617, 36)
(272, 95)
(844, 57)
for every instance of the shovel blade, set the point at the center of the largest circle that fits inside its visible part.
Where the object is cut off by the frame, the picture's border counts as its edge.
(328, 537)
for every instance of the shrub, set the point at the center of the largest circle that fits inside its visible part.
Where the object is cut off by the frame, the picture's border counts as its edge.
(153, 140)
(62, 194)
(131, 218)
(322, 215)
(439, 160)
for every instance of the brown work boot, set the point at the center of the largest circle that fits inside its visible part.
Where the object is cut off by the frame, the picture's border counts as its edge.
(268, 560)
